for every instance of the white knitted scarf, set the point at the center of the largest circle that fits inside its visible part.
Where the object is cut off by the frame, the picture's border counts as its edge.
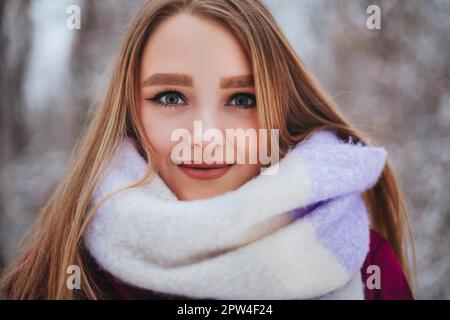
(302, 233)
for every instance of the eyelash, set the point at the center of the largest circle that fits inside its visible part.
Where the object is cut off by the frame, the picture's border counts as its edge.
(167, 91)
(158, 96)
(246, 94)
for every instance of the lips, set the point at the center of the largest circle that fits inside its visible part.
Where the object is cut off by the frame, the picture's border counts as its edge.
(204, 171)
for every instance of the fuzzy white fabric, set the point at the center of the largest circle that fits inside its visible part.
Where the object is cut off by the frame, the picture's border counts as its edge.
(244, 244)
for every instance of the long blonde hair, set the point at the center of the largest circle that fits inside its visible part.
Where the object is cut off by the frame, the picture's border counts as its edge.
(288, 97)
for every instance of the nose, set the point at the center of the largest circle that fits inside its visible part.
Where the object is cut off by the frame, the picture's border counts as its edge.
(206, 129)
(206, 120)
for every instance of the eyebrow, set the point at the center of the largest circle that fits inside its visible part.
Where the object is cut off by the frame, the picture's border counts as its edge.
(184, 80)
(237, 82)
(173, 79)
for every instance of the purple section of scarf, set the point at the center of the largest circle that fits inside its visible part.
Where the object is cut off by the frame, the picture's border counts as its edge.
(347, 238)
(335, 166)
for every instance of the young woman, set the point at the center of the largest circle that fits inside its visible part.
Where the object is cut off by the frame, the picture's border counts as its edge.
(138, 224)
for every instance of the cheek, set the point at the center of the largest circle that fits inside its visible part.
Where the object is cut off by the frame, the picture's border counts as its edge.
(158, 131)
(249, 121)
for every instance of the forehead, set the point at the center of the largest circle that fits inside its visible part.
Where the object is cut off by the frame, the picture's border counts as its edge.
(196, 46)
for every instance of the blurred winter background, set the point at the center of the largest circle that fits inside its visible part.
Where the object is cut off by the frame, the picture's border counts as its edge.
(393, 82)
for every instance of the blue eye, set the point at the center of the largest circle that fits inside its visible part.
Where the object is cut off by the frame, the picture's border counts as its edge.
(169, 99)
(243, 101)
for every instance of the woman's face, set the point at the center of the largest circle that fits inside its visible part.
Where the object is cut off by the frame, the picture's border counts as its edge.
(195, 70)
